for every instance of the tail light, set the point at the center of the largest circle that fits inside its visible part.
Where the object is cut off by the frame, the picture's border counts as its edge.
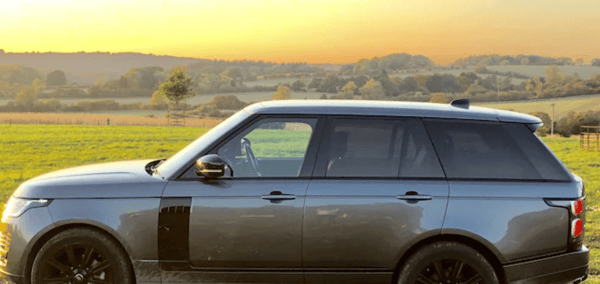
(576, 228)
(576, 210)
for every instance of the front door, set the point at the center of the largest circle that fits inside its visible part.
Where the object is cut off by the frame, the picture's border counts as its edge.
(377, 189)
(248, 228)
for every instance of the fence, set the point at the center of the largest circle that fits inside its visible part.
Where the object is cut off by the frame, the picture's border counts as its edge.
(590, 138)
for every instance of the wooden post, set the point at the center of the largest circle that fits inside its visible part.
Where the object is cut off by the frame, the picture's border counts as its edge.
(588, 141)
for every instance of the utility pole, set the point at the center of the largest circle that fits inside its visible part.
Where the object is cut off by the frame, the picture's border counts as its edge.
(552, 127)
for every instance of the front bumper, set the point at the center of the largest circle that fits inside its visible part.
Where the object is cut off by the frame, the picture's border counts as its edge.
(17, 237)
(571, 267)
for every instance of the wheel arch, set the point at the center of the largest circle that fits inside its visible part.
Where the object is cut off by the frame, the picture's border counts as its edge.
(485, 250)
(64, 226)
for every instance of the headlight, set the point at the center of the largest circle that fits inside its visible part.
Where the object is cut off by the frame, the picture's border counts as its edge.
(15, 207)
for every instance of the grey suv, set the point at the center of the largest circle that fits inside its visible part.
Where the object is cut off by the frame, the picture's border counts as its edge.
(313, 192)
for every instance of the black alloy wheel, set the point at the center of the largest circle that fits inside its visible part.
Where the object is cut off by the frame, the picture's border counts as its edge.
(447, 263)
(81, 256)
(449, 271)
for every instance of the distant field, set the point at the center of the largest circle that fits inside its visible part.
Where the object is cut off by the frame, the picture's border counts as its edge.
(198, 99)
(274, 82)
(97, 119)
(562, 106)
(585, 72)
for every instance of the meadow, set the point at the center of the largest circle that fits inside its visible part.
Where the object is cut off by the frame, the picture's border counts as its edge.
(31, 150)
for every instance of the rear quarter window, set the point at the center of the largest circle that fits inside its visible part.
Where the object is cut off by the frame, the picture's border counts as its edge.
(492, 150)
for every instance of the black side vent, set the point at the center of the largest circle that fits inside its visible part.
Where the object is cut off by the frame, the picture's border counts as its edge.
(174, 229)
(462, 103)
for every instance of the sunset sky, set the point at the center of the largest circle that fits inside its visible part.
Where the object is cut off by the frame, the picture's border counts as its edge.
(304, 30)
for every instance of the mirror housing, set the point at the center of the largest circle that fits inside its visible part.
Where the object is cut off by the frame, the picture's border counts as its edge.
(211, 166)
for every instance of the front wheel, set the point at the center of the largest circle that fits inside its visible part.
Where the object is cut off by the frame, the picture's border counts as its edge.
(81, 256)
(447, 263)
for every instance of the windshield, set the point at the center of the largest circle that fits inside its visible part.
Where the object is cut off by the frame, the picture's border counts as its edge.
(193, 150)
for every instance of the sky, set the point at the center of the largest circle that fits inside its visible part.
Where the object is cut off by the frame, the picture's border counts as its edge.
(313, 31)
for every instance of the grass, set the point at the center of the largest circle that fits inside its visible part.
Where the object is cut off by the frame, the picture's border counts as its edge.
(586, 164)
(31, 150)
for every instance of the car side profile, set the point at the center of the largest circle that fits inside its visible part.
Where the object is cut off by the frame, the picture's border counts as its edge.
(313, 192)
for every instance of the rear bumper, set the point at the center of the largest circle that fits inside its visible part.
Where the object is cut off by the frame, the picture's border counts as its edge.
(569, 267)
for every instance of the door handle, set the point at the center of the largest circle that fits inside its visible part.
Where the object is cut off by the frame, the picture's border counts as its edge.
(279, 197)
(414, 197)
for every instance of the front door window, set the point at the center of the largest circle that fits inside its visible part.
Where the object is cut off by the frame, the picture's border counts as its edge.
(272, 147)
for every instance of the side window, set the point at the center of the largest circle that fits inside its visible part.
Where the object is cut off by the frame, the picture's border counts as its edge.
(380, 148)
(271, 147)
(546, 164)
(479, 150)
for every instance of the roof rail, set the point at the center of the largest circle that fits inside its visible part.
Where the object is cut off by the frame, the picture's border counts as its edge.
(462, 103)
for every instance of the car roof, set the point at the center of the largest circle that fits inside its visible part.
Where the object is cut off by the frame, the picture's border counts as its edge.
(388, 108)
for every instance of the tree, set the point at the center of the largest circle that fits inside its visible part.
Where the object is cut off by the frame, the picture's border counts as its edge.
(38, 85)
(504, 62)
(553, 74)
(298, 86)
(56, 78)
(123, 82)
(579, 61)
(158, 99)
(372, 90)
(177, 88)
(409, 84)
(596, 62)
(283, 93)
(349, 88)
(524, 61)
(26, 96)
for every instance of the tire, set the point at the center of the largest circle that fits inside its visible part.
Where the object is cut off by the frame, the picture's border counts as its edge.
(437, 263)
(81, 255)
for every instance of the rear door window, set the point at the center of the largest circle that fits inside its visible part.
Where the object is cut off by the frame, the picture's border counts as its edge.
(371, 147)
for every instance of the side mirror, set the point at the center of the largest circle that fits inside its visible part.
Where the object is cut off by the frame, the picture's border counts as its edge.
(211, 166)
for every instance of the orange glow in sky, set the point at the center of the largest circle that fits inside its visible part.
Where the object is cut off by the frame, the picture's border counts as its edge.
(314, 31)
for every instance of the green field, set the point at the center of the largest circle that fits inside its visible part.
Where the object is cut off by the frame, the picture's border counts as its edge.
(30, 150)
(562, 106)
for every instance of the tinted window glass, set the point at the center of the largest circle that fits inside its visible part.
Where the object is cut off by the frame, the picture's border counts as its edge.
(548, 166)
(376, 148)
(269, 148)
(419, 159)
(479, 150)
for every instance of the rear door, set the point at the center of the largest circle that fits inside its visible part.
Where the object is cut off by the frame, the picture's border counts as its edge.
(377, 189)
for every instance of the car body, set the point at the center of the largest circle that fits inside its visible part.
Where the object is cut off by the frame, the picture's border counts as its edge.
(338, 191)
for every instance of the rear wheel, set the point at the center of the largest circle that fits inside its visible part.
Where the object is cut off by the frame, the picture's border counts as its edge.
(81, 256)
(447, 263)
